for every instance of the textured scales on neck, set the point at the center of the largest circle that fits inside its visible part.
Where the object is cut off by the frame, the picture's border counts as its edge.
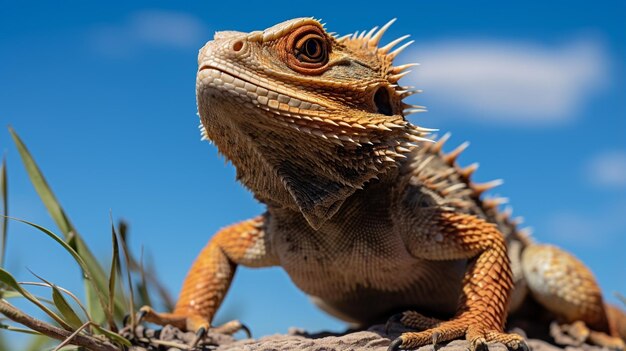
(306, 118)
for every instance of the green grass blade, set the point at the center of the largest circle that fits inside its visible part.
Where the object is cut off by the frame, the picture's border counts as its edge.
(131, 299)
(69, 293)
(97, 271)
(4, 196)
(14, 294)
(66, 310)
(87, 271)
(114, 268)
(8, 279)
(41, 186)
(115, 337)
(61, 304)
(93, 304)
(19, 330)
(144, 295)
(9, 294)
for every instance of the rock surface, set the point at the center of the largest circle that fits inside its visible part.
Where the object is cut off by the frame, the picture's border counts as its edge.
(372, 339)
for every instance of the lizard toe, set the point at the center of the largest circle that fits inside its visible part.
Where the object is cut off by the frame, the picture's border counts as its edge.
(183, 321)
(393, 320)
(395, 345)
(414, 320)
(231, 328)
(511, 340)
(201, 333)
(478, 344)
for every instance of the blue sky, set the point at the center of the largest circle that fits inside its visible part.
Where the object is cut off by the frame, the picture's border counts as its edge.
(103, 95)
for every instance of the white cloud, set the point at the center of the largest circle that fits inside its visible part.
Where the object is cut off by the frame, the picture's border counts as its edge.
(608, 169)
(519, 82)
(146, 28)
(602, 225)
(595, 229)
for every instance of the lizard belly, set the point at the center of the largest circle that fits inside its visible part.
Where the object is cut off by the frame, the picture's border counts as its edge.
(365, 277)
(422, 287)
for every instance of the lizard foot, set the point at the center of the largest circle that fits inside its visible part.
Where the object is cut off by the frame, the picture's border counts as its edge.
(578, 333)
(190, 322)
(412, 319)
(471, 328)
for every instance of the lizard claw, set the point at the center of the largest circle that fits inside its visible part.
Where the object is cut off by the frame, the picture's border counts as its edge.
(395, 345)
(201, 333)
(478, 344)
(435, 337)
(126, 320)
(396, 318)
(523, 346)
(247, 331)
(475, 332)
(140, 315)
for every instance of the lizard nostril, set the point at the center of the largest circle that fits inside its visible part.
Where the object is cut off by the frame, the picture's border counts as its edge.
(237, 46)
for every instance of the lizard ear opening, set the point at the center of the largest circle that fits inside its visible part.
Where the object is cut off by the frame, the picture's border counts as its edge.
(382, 102)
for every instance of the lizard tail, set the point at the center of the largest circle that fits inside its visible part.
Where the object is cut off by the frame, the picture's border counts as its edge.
(617, 321)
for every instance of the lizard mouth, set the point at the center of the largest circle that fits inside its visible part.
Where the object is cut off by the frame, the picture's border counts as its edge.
(248, 89)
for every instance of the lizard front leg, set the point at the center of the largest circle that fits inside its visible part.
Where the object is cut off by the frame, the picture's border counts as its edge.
(486, 284)
(210, 276)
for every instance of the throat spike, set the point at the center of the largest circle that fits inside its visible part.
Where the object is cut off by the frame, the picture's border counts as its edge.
(413, 110)
(492, 203)
(398, 69)
(344, 38)
(385, 49)
(439, 144)
(396, 77)
(451, 157)
(480, 188)
(379, 35)
(369, 34)
(397, 51)
(469, 170)
(407, 93)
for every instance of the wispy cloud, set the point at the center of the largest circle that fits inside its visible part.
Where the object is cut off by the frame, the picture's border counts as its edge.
(148, 28)
(520, 82)
(608, 170)
(602, 225)
(597, 228)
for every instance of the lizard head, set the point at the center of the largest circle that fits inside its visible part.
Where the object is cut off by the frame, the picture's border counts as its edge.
(306, 118)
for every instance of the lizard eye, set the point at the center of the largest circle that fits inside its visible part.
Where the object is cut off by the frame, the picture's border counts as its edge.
(311, 48)
(306, 50)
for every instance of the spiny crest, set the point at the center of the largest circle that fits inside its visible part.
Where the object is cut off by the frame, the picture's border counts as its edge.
(203, 133)
(450, 158)
(369, 42)
(280, 29)
(491, 205)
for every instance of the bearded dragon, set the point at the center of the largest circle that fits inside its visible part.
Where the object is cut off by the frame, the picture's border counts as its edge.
(364, 213)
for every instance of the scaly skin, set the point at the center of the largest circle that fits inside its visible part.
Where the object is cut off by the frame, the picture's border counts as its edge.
(363, 213)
